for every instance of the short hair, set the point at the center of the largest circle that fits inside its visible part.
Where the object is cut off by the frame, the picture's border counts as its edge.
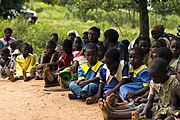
(8, 29)
(112, 35)
(4, 51)
(125, 42)
(138, 51)
(52, 43)
(54, 34)
(113, 54)
(95, 29)
(141, 38)
(162, 42)
(100, 44)
(159, 65)
(175, 39)
(164, 53)
(67, 44)
(85, 33)
(23, 45)
(91, 46)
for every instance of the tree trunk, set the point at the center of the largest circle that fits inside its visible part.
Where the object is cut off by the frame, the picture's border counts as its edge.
(144, 20)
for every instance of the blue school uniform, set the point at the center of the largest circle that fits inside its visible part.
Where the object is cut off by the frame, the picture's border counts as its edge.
(140, 78)
(111, 81)
(87, 73)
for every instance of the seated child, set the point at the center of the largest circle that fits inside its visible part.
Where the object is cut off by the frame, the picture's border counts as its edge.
(49, 55)
(31, 51)
(65, 60)
(88, 75)
(6, 64)
(162, 84)
(77, 46)
(175, 105)
(16, 52)
(101, 51)
(175, 48)
(144, 43)
(112, 73)
(138, 74)
(54, 37)
(25, 64)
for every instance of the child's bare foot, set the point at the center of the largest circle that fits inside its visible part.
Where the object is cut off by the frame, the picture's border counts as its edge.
(62, 83)
(72, 96)
(24, 76)
(106, 104)
(134, 116)
(106, 113)
(143, 117)
(91, 100)
(111, 100)
(11, 77)
(47, 74)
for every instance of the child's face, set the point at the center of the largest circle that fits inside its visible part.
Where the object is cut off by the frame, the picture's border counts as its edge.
(91, 56)
(25, 50)
(144, 45)
(101, 51)
(71, 36)
(156, 34)
(134, 59)
(178, 72)
(85, 38)
(111, 64)
(54, 38)
(154, 46)
(175, 47)
(8, 34)
(92, 35)
(77, 43)
(157, 76)
(4, 56)
(49, 48)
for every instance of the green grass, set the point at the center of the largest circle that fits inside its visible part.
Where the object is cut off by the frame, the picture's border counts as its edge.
(58, 19)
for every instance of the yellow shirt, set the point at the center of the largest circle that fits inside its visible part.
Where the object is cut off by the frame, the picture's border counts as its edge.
(27, 64)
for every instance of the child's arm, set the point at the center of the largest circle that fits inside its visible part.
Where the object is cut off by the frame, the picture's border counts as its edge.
(83, 83)
(149, 104)
(174, 102)
(141, 91)
(54, 57)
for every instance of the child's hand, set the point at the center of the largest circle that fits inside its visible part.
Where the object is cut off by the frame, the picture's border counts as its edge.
(83, 83)
(108, 92)
(130, 95)
(176, 113)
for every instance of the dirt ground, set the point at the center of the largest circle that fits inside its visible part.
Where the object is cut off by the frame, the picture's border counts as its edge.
(28, 101)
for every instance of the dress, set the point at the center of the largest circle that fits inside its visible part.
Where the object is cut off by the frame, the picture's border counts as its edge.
(164, 92)
(87, 73)
(140, 78)
(27, 64)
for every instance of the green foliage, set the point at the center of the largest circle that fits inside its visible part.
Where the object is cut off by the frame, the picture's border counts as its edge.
(59, 19)
(6, 5)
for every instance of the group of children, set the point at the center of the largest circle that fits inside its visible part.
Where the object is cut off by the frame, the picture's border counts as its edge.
(136, 80)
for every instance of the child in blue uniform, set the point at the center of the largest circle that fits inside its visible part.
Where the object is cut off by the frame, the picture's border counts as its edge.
(88, 75)
(138, 74)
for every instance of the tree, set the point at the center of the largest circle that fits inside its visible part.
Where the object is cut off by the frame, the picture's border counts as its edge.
(9, 7)
(144, 19)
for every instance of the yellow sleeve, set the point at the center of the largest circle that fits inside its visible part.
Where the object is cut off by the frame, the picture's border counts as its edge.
(32, 64)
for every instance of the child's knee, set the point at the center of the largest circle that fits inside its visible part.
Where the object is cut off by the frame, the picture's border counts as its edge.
(72, 85)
